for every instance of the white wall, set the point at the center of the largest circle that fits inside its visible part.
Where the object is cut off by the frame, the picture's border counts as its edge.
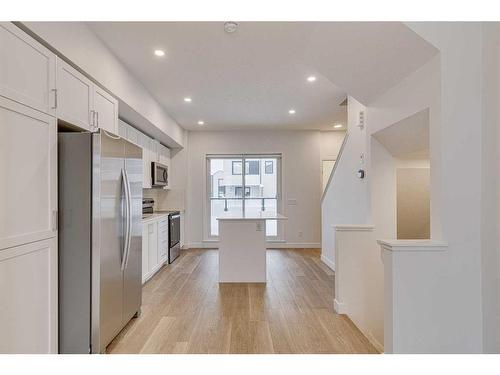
(76, 42)
(460, 176)
(491, 189)
(301, 178)
(346, 199)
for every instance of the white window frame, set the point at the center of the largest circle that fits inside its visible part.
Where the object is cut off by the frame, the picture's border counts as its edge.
(279, 193)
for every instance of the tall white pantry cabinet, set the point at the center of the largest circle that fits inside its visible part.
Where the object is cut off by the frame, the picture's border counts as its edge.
(28, 194)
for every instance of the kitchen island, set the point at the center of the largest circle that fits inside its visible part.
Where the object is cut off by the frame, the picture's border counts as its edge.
(242, 246)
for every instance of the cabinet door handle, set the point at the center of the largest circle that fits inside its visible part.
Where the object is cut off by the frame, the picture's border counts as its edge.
(97, 117)
(55, 98)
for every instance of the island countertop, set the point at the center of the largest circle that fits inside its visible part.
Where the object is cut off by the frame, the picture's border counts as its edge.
(262, 215)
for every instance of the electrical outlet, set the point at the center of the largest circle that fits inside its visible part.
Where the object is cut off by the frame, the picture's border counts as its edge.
(258, 227)
(300, 233)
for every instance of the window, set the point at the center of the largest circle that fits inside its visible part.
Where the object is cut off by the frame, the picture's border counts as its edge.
(237, 190)
(252, 167)
(236, 168)
(269, 167)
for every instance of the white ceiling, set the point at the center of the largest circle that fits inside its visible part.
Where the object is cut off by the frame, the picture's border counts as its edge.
(250, 79)
(407, 139)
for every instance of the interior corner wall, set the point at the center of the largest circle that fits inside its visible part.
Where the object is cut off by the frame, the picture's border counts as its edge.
(383, 190)
(491, 188)
(345, 200)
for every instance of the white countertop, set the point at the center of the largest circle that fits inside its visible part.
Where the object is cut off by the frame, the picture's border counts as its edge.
(262, 215)
(156, 215)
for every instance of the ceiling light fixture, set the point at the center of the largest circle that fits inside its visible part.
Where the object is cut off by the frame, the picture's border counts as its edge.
(311, 79)
(292, 111)
(159, 52)
(187, 99)
(201, 122)
(230, 27)
(337, 126)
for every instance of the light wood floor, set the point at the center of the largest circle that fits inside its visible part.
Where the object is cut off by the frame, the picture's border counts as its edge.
(186, 310)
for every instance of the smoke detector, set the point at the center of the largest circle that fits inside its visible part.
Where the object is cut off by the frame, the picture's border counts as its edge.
(230, 27)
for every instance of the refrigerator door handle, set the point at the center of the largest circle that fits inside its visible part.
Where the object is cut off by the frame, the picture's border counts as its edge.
(127, 215)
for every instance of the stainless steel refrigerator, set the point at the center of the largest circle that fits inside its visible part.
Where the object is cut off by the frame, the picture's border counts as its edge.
(100, 238)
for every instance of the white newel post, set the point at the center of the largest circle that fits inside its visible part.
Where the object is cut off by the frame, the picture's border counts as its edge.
(416, 289)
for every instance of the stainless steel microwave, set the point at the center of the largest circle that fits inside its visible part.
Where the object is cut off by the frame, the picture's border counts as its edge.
(159, 175)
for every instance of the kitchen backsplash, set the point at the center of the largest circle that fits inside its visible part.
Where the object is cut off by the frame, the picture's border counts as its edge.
(168, 200)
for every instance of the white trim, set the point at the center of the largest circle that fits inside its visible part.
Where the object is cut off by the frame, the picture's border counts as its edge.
(353, 227)
(339, 307)
(212, 244)
(288, 245)
(412, 245)
(374, 342)
(328, 262)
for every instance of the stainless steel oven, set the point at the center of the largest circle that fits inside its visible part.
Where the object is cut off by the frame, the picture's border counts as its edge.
(174, 236)
(159, 174)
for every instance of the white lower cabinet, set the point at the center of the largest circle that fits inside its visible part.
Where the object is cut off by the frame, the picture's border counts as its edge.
(28, 298)
(163, 240)
(154, 246)
(145, 262)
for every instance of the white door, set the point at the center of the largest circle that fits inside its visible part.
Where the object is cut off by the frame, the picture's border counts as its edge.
(28, 298)
(75, 97)
(28, 166)
(27, 70)
(106, 109)
(152, 246)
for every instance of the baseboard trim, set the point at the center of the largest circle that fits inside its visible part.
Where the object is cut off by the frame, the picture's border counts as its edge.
(339, 307)
(375, 342)
(288, 245)
(328, 262)
(269, 245)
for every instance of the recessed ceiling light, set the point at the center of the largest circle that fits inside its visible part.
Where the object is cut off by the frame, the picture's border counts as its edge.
(337, 126)
(311, 79)
(159, 52)
(187, 99)
(201, 122)
(292, 111)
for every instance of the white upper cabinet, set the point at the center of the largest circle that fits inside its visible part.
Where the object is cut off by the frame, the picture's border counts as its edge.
(153, 151)
(75, 97)
(27, 70)
(145, 143)
(82, 103)
(28, 166)
(133, 135)
(164, 155)
(106, 110)
(122, 129)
